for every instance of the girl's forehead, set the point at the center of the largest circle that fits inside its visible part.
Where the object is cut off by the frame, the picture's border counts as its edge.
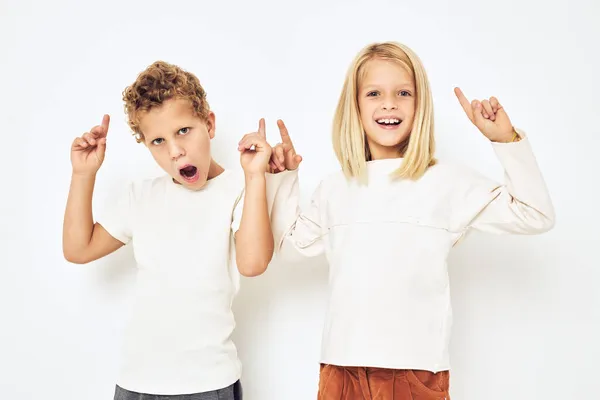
(384, 72)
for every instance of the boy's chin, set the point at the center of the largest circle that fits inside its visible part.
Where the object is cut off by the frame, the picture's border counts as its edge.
(192, 184)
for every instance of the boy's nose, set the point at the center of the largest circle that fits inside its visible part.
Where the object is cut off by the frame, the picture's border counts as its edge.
(176, 152)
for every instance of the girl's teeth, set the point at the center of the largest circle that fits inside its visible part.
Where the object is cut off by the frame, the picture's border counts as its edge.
(388, 121)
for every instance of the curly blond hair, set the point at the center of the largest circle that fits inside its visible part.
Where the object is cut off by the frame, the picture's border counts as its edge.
(158, 83)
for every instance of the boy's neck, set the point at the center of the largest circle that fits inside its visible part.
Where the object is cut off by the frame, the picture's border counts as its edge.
(214, 170)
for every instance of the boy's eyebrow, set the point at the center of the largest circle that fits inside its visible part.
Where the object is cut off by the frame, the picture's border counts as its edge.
(181, 127)
(377, 85)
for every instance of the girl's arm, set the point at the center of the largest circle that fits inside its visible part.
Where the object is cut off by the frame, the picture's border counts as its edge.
(295, 232)
(522, 204)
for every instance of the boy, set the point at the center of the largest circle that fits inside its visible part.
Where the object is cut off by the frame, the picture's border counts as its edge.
(186, 227)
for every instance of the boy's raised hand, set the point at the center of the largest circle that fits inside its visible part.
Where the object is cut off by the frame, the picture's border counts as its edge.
(488, 116)
(87, 151)
(284, 155)
(255, 160)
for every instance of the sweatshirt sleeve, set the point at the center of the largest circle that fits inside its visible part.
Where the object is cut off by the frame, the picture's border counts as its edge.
(519, 205)
(294, 230)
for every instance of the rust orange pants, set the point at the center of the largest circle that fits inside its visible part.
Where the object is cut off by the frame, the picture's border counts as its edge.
(359, 383)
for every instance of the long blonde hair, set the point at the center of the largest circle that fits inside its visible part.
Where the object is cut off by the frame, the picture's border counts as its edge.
(351, 148)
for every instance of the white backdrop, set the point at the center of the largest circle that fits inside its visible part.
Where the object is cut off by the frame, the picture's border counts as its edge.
(526, 309)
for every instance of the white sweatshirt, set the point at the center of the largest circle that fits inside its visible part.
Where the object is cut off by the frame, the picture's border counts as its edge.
(387, 245)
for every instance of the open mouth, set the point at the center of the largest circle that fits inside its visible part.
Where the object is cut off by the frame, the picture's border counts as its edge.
(389, 121)
(189, 173)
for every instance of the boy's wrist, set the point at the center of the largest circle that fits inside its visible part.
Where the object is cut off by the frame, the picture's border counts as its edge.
(83, 177)
(254, 176)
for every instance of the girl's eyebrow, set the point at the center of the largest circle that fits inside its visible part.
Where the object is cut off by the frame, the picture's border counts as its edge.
(377, 85)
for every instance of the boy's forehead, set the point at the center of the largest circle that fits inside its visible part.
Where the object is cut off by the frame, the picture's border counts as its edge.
(173, 108)
(166, 116)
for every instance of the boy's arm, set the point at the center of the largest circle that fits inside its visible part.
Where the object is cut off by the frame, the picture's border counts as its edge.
(84, 241)
(254, 238)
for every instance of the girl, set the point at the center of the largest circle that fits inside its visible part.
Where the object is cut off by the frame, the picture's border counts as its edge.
(387, 221)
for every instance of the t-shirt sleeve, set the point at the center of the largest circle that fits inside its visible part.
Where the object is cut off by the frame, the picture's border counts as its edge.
(117, 215)
(237, 213)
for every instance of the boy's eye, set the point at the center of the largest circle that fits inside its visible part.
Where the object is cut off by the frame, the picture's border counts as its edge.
(183, 131)
(157, 141)
(372, 93)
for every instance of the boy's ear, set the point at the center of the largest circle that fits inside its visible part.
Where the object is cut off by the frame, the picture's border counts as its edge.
(140, 139)
(211, 124)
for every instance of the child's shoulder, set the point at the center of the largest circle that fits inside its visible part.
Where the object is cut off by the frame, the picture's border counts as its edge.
(148, 186)
(453, 174)
(333, 180)
(230, 179)
(137, 191)
(230, 184)
(449, 169)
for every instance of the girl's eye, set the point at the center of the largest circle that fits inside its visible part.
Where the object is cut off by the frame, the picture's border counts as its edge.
(372, 93)
(157, 141)
(404, 93)
(183, 131)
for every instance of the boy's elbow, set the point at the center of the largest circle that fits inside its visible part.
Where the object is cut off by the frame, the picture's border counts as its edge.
(252, 269)
(251, 272)
(74, 257)
(252, 256)
(253, 266)
(74, 260)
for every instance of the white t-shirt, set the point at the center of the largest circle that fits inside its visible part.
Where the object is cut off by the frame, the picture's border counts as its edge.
(178, 339)
(387, 245)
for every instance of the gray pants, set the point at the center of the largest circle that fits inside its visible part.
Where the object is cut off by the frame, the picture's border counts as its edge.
(233, 392)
